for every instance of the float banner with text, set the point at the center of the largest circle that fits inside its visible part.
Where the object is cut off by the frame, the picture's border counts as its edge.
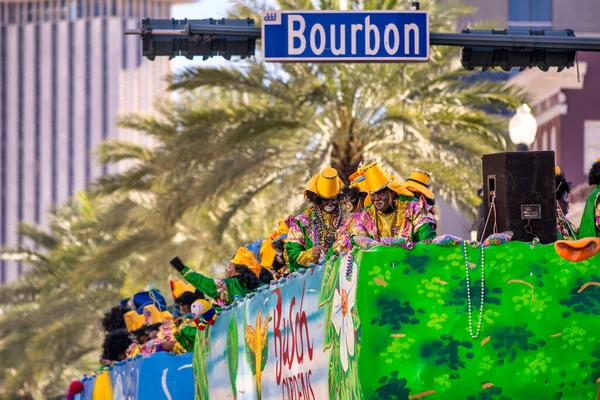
(277, 343)
(538, 337)
(160, 376)
(345, 36)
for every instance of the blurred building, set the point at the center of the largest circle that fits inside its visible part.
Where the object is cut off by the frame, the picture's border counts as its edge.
(66, 73)
(579, 15)
(565, 107)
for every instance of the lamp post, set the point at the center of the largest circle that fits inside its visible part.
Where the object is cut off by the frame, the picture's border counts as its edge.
(522, 128)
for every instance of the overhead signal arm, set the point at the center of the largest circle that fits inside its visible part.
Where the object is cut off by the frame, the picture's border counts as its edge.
(480, 49)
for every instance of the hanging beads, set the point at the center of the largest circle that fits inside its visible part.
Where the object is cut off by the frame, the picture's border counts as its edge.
(349, 266)
(468, 266)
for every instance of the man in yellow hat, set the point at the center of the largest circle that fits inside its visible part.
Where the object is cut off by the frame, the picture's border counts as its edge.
(314, 230)
(395, 211)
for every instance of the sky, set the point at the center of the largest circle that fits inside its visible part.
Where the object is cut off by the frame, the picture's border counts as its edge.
(198, 10)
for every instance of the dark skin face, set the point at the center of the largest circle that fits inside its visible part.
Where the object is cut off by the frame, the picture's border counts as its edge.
(329, 205)
(383, 200)
(563, 203)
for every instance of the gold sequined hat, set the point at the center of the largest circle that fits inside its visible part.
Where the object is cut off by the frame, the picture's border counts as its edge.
(419, 182)
(377, 179)
(326, 184)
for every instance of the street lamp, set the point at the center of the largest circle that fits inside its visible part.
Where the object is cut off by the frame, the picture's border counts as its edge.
(522, 128)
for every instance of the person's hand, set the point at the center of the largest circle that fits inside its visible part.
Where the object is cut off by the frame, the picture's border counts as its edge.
(106, 363)
(317, 251)
(168, 346)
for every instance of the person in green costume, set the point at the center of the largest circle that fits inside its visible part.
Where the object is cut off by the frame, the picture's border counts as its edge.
(590, 220)
(240, 278)
(566, 230)
(313, 231)
(395, 212)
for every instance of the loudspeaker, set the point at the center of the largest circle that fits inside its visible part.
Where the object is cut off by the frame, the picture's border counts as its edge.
(521, 185)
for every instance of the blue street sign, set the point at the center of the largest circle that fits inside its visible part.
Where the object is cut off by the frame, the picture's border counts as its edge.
(348, 36)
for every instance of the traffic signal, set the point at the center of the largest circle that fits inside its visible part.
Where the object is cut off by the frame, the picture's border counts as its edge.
(513, 56)
(205, 37)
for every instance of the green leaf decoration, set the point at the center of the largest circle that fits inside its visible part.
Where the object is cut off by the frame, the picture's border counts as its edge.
(201, 352)
(330, 281)
(233, 353)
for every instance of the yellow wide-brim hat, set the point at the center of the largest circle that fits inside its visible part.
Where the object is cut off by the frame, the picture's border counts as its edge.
(180, 287)
(377, 179)
(326, 184)
(245, 257)
(133, 321)
(419, 182)
(153, 316)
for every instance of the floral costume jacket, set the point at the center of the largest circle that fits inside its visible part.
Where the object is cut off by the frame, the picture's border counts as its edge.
(415, 222)
(304, 235)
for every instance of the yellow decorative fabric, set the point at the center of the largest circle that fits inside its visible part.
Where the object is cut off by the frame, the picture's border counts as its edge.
(306, 258)
(180, 287)
(133, 320)
(267, 254)
(102, 387)
(153, 316)
(246, 257)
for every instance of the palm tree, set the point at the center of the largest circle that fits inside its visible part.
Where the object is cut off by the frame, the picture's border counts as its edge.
(49, 321)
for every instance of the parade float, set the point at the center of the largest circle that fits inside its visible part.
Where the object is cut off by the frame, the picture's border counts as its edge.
(397, 320)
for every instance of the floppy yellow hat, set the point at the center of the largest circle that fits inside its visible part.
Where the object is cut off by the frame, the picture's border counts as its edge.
(311, 186)
(133, 320)
(245, 257)
(267, 254)
(180, 287)
(377, 179)
(326, 184)
(153, 316)
(419, 182)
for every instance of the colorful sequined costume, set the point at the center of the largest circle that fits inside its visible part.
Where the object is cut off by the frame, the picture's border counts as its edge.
(590, 220)
(311, 229)
(566, 230)
(412, 220)
(313, 226)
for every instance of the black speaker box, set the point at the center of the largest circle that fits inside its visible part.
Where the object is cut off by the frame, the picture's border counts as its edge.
(525, 201)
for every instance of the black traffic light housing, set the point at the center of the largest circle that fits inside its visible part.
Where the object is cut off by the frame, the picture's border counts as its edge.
(522, 58)
(205, 38)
